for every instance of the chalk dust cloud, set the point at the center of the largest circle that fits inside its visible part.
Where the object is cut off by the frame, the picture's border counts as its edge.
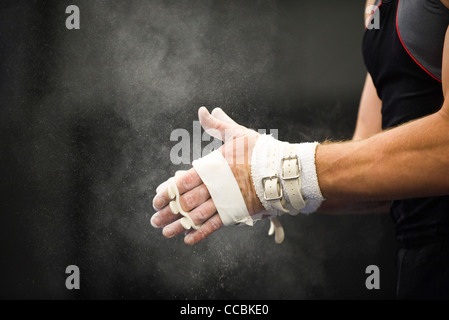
(98, 108)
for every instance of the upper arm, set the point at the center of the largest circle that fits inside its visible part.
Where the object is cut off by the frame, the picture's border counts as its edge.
(445, 66)
(368, 4)
(445, 75)
(369, 119)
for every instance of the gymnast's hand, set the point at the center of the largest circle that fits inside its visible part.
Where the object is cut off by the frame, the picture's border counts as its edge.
(195, 197)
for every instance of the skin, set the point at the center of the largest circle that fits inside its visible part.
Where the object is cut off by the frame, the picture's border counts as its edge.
(408, 161)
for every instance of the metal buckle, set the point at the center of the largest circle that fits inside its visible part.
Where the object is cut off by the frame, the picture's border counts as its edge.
(280, 195)
(298, 167)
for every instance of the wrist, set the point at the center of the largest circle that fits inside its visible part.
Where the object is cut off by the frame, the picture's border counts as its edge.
(293, 166)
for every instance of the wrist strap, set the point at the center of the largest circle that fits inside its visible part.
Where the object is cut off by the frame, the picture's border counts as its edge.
(291, 177)
(270, 162)
(271, 183)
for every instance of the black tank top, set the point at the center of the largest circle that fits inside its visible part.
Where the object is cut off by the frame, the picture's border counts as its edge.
(404, 57)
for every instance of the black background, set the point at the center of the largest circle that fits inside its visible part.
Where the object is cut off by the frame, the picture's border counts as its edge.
(85, 123)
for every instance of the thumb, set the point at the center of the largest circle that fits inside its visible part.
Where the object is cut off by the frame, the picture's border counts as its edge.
(221, 115)
(223, 130)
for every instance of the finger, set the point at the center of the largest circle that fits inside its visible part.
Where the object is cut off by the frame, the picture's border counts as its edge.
(161, 186)
(203, 212)
(194, 198)
(198, 215)
(217, 128)
(209, 227)
(184, 182)
(189, 200)
(164, 184)
(173, 229)
(221, 115)
(180, 172)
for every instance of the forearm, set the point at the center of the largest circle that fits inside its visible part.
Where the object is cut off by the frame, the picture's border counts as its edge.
(343, 207)
(409, 161)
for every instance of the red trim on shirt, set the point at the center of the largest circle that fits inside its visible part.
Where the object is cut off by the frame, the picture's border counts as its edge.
(403, 44)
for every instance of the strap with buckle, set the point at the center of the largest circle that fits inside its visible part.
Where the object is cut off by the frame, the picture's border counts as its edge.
(273, 192)
(291, 176)
(271, 183)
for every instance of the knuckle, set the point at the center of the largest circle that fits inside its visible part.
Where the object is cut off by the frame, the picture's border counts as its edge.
(188, 201)
(187, 181)
(204, 192)
(201, 214)
(202, 234)
(214, 225)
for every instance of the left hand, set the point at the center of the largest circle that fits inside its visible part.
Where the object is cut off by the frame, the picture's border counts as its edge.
(195, 197)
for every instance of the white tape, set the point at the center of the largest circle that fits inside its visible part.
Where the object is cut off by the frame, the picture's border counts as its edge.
(276, 229)
(224, 190)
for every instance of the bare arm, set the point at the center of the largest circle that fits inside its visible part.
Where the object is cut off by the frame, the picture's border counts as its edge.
(369, 119)
(368, 124)
(405, 162)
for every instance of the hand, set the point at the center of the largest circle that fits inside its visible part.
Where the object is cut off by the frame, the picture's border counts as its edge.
(237, 150)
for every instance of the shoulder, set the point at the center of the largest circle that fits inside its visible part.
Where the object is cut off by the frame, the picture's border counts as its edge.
(369, 8)
(446, 3)
(369, 4)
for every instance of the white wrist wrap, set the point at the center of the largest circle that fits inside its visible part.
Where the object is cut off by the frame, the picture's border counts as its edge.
(216, 174)
(310, 188)
(271, 182)
(296, 170)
